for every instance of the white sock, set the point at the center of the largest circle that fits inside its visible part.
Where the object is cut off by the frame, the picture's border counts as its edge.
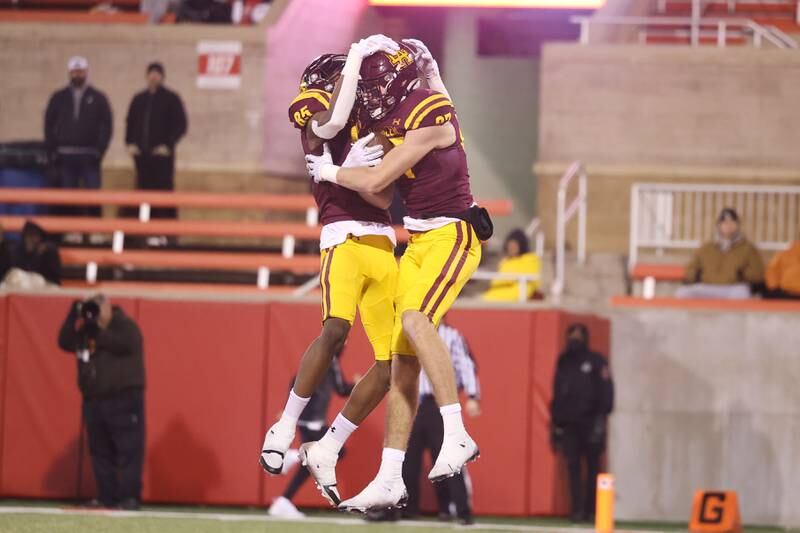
(294, 407)
(338, 433)
(392, 464)
(451, 417)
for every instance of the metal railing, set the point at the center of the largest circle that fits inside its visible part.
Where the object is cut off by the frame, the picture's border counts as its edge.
(683, 216)
(731, 4)
(564, 213)
(534, 231)
(722, 29)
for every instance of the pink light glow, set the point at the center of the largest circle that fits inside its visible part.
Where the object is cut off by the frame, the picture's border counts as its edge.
(562, 4)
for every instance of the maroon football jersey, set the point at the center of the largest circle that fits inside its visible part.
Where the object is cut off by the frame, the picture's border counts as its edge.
(335, 203)
(439, 184)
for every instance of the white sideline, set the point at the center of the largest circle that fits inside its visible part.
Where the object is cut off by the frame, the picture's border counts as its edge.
(241, 517)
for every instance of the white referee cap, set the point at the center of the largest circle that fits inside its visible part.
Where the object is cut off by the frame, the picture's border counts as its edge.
(78, 63)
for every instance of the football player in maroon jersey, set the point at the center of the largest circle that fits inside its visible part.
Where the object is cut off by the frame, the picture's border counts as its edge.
(358, 268)
(428, 165)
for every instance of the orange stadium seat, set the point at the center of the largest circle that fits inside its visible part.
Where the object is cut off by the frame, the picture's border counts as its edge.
(658, 271)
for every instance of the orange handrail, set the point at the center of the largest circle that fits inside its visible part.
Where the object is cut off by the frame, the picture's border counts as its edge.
(282, 202)
(301, 264)
(204, 228)
(663, 272)
(194, 288)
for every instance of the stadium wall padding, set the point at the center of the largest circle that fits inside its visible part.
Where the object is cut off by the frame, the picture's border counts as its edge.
(217, 376)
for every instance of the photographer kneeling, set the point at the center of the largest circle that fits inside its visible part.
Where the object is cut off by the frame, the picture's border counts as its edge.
(108, 346)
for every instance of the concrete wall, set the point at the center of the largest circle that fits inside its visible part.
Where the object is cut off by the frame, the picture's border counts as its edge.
(706, 400)
(225, 130)
(496, 98)
(657, 113)
(708, 106)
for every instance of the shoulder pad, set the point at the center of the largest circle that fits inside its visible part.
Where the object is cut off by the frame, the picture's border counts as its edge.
(307, 104)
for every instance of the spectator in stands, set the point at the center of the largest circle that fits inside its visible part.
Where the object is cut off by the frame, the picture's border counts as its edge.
(5, 256)
(583, 397)
(156, 122)
(77, 131)
(783, 273)
(108, 346)
(313, 426)
(518, 259)
(727, 267)
(35, 256)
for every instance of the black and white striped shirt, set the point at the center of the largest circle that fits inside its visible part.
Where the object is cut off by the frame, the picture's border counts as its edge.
(463, 364)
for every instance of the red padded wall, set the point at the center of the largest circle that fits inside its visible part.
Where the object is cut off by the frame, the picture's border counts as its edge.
(42, 408)
(500, 341)
(218, 374)
(3, 376)
(293, 326)
(204, 364)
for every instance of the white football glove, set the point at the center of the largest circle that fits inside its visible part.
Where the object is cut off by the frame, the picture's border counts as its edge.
(314, 163)
(426, 64)
(361, 155)
(376, 43)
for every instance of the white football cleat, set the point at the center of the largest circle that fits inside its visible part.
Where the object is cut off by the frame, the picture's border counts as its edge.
(283, 508)
(321, 463)
(379, 494)
(455, 453)
(290, 460)
(276, 443)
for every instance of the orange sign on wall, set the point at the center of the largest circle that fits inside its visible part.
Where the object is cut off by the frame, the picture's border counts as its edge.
(715, 512)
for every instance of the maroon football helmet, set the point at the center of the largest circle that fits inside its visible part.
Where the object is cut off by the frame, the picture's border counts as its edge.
(385, 81)
(323, 72)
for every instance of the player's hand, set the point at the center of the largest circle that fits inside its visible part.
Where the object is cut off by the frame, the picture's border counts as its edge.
(361, 155)
(472, 407)
(426, 64)
(314, 163)
(133, 150)
(162, 150)
(376, 43)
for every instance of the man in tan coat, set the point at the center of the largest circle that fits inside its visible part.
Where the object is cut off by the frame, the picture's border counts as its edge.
(726, 267)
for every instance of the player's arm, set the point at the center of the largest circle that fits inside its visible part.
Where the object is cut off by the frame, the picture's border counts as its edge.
(417, 144)
(331, 121)
(381, 200)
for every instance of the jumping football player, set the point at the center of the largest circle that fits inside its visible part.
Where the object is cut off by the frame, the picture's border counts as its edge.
(428, 163)
(358, 268)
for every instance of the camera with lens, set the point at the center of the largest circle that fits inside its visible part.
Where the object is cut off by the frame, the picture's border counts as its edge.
(90, 311)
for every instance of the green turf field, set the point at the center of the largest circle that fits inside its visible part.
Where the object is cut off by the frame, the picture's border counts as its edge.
(28, 517)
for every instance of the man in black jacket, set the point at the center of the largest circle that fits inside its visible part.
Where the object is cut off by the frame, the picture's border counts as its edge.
(108, 346)
(77, 131)
(583, 397)
(156, 122)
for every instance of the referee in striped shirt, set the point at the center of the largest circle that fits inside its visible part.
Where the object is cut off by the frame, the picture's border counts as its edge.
(428, 430)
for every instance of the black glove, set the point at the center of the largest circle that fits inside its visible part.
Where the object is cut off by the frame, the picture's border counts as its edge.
(556, 437)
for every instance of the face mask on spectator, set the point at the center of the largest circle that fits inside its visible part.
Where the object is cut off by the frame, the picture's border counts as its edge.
(77, 80)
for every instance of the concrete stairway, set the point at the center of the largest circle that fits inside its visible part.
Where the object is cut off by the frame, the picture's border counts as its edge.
(589, 285)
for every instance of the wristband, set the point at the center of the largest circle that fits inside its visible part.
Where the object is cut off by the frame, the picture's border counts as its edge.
(328, 172)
